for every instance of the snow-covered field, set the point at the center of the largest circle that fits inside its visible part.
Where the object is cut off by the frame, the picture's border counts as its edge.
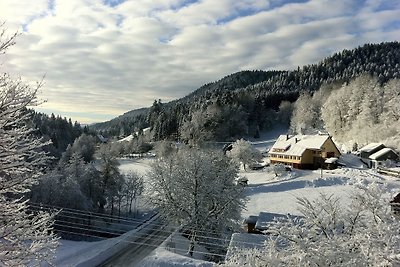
(268, 193)
(140, 166)
(265, 193)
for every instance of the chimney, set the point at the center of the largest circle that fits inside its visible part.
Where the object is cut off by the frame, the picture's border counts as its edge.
(287, 137)
(295, 140)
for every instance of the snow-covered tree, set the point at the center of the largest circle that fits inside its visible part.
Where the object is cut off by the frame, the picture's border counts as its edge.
(133, 187)
(364, 111)
(25, 236)
(305, 118)
(164, 148)
(243, 152)
(85, 146)
(111, 178)
(278, 169)
(363, 233)
(285, 112)
(197, 190)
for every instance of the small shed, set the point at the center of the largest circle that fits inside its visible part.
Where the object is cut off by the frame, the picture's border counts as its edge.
(331, 163)
(384, 154)
(395, 204)
(375, 154)
(370, 149)
(242, 181)
(250, 224)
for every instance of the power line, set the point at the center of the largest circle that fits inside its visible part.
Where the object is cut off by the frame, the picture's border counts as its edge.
(225, 240)
(105, 217)
(131, 220)
(134, 221)
(142, 222)
(145, 244)
(78, 226)
(163, 231)
(115, 231)
(78, 210)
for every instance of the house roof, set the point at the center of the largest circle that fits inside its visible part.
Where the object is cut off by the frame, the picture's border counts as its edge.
(102, 138)
(370, 147)
(297, 144)
(251, 219)
(381, 152)
(265, 218)
(245, 240)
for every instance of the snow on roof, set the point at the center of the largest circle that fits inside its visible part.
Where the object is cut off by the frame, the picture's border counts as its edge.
(245, 240)
(102, 138)
(296, 145)
(381, 152)
(126, 139)
(331, 160)
(264, 218)
(370, 147)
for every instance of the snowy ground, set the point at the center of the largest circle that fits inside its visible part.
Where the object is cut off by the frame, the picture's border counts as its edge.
(85, 254)
(173, 252)
(268, 193)
(141, 166)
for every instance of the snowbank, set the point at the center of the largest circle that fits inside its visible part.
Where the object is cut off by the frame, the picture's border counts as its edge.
(173, 252)
(164, 258)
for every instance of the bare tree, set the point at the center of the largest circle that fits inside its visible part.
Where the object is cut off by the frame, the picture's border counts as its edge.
(133, 187)
(111, 179)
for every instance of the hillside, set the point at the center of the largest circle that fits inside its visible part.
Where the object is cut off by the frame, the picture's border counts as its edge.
(246, 102)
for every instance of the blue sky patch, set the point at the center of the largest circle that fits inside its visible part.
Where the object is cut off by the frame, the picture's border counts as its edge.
(280, 3)
(113, 3)
(184, 4)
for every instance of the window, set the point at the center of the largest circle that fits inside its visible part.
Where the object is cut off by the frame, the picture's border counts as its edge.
(330, 154)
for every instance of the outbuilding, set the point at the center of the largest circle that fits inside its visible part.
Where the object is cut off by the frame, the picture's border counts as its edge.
(376, 154)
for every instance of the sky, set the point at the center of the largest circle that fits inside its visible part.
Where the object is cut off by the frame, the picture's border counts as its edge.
(101, 58)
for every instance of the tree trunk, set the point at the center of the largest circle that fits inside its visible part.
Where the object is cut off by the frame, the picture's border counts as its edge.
(191, 244)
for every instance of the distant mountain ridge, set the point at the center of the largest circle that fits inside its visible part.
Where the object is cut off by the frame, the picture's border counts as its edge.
(255, 93)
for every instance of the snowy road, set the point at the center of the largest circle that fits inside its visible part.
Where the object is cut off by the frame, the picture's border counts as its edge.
(140, 248)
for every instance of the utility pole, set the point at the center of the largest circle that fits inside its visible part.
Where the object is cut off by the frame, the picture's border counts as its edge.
(321, 170)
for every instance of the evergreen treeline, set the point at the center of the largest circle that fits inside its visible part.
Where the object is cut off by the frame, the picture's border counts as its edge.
(131, 121)
(61, 131)
(246, 102)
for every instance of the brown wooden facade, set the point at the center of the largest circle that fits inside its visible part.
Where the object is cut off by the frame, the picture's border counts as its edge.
(302, 157)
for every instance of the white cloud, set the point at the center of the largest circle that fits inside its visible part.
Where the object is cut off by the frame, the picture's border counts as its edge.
(106, 60)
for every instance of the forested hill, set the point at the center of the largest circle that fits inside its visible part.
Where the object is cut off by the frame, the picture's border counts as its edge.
(248, 101)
